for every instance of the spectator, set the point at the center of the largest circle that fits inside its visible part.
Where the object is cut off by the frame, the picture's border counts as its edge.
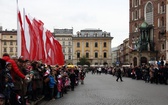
(2, 99)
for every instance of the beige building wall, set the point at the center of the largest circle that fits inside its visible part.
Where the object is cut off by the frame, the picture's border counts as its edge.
(92, 36)
(8, 42)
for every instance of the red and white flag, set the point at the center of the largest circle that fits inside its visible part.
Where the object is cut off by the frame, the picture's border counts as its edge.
(22, 49)
(38, 43)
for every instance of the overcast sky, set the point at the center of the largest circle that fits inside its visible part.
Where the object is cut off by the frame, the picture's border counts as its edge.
(108, 15)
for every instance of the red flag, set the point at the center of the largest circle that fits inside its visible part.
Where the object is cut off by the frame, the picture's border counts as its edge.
(59, 53)
(24, 51)
(38, 27)
(33, 40)
(49, 48)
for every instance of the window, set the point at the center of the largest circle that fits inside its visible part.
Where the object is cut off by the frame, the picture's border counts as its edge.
(63, 43)
(96, 44)
(69, 43)
(96, 55)
(78, 44)
(162, 8)
(63, 50)
(5, 49)
(11, 49)
(162, 21)
(78, 54)
(163, 46)
(104, 44)
(87, 44)
(11, 43)
(69, 57)
(69, 50)
(105, 55)
(4, 42)
(11, 36)
(149, 13)
(87, 55)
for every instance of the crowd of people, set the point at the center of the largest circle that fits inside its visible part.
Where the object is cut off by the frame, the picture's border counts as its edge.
(150, 73)
(23, 82)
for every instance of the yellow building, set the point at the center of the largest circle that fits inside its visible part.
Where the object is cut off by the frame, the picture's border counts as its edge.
(8, 42)
(94, 44)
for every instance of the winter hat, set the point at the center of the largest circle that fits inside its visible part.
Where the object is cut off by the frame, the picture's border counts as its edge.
(59, 76)
(7, 63)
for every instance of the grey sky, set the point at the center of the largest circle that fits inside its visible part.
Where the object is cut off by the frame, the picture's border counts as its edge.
(108, 15)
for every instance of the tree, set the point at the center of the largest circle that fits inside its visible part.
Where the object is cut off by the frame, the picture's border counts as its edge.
(83, 61)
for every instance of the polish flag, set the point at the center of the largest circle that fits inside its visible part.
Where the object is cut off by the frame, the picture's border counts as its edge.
(38, 43)
(59, 53)
(22, 49)
(33, 39)
(38, 28)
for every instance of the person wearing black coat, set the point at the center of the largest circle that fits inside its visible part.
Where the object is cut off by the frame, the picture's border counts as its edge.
(118, 70)
(72, 79)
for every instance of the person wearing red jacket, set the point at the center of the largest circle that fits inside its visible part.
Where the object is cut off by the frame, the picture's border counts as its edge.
(15, 69)
(17, 77)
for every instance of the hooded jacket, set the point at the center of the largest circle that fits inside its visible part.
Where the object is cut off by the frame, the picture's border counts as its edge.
(15, 70)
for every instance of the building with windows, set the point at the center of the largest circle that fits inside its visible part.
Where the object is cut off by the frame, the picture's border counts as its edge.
(64, 36)
(8, 42)
(94, 44)
(148, 31)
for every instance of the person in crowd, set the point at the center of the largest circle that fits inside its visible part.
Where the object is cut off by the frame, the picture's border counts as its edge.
(2, 68)
(118, 70)
(151, 73)
(59, 86)
(17, 77)
(99, 70)
(82, 76)
(15, 70)
(72, 79)
(165, 74)
(52, 84)
(2, 99)
(8, 83)
(76, 70)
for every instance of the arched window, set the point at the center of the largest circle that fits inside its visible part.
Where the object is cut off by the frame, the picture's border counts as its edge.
(149, 13)
(105, 55)
(162, 21)
(162, 7)
(104, 44)
(87, 54)
(96, 54)
(87, 44)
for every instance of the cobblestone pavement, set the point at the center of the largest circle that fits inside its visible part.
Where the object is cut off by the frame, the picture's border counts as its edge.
(104, 90)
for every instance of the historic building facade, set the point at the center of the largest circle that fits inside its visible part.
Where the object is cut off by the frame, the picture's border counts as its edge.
(94, 44)
(147, 31)
(8, 42)
(64, 36)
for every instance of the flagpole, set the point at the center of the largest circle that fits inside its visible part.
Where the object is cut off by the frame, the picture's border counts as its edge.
(18, 35)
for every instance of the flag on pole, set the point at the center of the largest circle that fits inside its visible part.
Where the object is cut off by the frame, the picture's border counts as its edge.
(37, 43)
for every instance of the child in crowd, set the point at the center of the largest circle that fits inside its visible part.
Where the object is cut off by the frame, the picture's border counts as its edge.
(8, 84)
(52, 83)
(59, 86)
